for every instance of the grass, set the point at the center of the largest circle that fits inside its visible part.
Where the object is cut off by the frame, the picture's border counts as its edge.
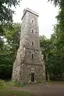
(55, 82)
(5, 89)
(7, 92)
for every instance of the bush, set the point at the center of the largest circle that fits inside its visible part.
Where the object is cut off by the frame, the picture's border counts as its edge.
(14, 83)
(3, 84)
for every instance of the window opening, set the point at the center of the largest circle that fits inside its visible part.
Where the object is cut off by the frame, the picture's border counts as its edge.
(32, 21)
(32, 43)
(32, 56)
(32, 31)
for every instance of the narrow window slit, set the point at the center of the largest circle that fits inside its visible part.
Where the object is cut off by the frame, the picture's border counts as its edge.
(32, 43)
(32, 56)
(32, 31)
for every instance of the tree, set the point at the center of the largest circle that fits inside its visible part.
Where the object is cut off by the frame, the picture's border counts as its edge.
(58, 42)
(12, 34)
(9, 49)
(53, 57)
(5, 9)
(56, 2)
(58, 36)
(46, 47)
(6, 15)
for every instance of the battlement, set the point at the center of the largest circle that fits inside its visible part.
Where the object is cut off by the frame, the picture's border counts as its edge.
(29, 10)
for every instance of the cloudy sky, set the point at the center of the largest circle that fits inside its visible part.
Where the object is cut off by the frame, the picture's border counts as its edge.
(47, 13)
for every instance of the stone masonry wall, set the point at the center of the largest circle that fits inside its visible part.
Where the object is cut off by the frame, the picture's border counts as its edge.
(29, 58)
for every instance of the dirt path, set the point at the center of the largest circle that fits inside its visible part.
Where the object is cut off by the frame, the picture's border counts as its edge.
(43, 90)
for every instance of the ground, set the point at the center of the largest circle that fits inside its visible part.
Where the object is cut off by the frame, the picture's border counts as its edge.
(43, 89)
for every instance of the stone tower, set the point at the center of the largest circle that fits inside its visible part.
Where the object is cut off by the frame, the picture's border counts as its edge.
(29, 65)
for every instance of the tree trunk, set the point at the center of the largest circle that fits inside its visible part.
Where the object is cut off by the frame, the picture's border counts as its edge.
(48, 76)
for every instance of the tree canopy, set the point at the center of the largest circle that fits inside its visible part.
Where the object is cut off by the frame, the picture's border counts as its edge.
(58, 36)
(9, 49)
(5, 9)
(56, 2)
(6, 17)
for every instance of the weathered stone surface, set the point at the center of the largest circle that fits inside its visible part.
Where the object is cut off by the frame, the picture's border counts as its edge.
(29, 58)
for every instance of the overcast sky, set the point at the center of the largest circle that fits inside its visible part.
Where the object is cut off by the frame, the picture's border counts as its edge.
(47, 13)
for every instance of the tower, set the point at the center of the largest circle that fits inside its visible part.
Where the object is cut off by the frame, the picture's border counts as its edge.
(29, 65)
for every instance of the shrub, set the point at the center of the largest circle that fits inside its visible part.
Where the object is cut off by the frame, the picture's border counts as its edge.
(14, 83)
(3, 84)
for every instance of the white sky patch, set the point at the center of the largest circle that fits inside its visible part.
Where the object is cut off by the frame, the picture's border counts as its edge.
(47, 13)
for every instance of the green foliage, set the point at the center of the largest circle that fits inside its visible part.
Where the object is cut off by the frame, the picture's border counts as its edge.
(56, 2)
(6, 61)
(58, 39)
(14, 84)
(12, 34)
(47, 47)
(2, 84)
(54, 60)
(5, 10)
(6, 14)
(8, 50)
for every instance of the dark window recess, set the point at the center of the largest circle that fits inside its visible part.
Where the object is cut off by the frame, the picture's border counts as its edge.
(32, 56)
(32, 43)
(32, 31)
(32, 21)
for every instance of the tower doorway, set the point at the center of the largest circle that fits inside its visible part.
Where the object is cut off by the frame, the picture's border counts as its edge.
(32, 77)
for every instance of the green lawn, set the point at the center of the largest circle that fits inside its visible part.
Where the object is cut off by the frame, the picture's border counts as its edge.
(7, 92)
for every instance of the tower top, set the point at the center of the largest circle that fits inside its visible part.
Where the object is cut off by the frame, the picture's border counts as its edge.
(29, 10)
